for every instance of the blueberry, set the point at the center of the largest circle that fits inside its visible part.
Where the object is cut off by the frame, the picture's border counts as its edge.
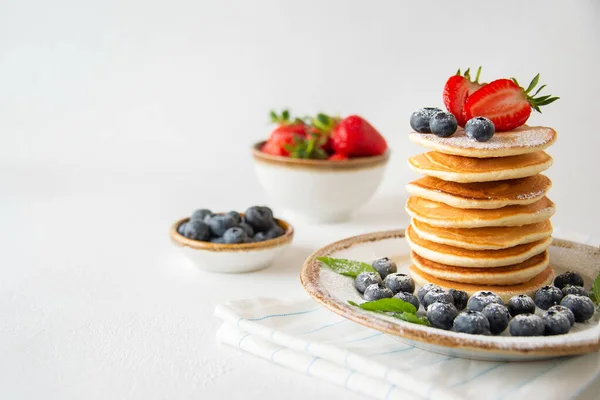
(220, 223)
(247, 228)
(460, 298)
(572, 289)
(219, 240)
(365, 279)
(376, 292)
(408, 297)
(437, 295)
(526, 325)
(201, 214)
(260, 237)
(472, 322)
(398, 282)
(275, 231)
(568, 278)
(480, 129)
(384, 266)
(419, 120)
(581, 306)
(259, 218)
(547, 296)
(497, 316)
(424, 289)
(565, 311)
(441, 315)
(555, 323)
(272, 233)
(443, 124)
(181, 228)
(521, 304)
(236, 216)
(196, 230)
(482, 299)
(235, 235)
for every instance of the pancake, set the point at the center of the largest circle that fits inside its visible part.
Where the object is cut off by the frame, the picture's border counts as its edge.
(443, 215)
(509, 275)
(466, 169)
(525, 139)
(505, 291)
(492, 238)
(458, 257)
(482, 195)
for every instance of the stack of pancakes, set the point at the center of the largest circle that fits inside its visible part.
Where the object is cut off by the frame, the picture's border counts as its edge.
(480, 216)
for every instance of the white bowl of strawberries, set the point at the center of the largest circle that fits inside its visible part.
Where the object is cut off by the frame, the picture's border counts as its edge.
(322, 168)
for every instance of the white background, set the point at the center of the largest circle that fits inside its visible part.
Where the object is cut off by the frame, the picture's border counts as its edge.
(118, 117)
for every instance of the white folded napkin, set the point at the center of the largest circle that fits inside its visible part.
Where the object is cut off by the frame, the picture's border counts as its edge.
(308, 338)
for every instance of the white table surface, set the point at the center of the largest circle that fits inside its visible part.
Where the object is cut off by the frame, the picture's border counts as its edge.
(97, 303)
(117, 118)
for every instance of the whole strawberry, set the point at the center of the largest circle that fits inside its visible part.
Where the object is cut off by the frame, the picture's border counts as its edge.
(322, 125)
(505, 103)
(355, 137)
(456, 91)
(287, 133)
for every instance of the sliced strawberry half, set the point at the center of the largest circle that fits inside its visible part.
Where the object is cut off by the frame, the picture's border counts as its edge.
(506, 103)
(456, 91)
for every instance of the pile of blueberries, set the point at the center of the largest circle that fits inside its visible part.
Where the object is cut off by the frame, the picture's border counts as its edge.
(563, 304)
(444, 124)
(256, 225)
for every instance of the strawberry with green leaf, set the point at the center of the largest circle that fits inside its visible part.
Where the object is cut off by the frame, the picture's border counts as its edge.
(323, 124)
(288, 133)
(310, 147)
(505, 103)
(456, 91)
(324, 137)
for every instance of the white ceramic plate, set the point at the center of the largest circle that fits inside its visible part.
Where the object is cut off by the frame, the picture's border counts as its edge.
(334, 291)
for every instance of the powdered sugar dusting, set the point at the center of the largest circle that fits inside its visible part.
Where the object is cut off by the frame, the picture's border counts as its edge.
(522, 137)
(531, 195)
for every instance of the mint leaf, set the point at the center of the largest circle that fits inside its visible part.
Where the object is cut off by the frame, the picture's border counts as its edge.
(345, 267)
(388, 305)
(596, 290)
(394, 308)
(409, 317)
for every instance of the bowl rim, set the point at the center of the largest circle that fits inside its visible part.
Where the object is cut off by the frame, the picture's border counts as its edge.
(358, 163)
(183, 241)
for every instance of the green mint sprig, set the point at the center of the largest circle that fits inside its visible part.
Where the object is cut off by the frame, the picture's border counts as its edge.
(394, 308)
(408, 317)
(387, 305)
(595, 295)
(345, 267)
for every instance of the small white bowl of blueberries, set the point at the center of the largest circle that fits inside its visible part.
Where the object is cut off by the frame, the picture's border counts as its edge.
(232, 242)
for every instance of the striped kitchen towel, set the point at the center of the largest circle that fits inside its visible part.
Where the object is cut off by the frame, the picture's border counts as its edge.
(308, 338)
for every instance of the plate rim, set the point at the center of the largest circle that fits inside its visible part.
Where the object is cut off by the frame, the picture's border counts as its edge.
(310, 274)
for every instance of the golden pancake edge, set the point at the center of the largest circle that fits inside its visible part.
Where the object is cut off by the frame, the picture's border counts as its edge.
(508, 275)
(481, 195)
(460, 257)
(489, 238)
